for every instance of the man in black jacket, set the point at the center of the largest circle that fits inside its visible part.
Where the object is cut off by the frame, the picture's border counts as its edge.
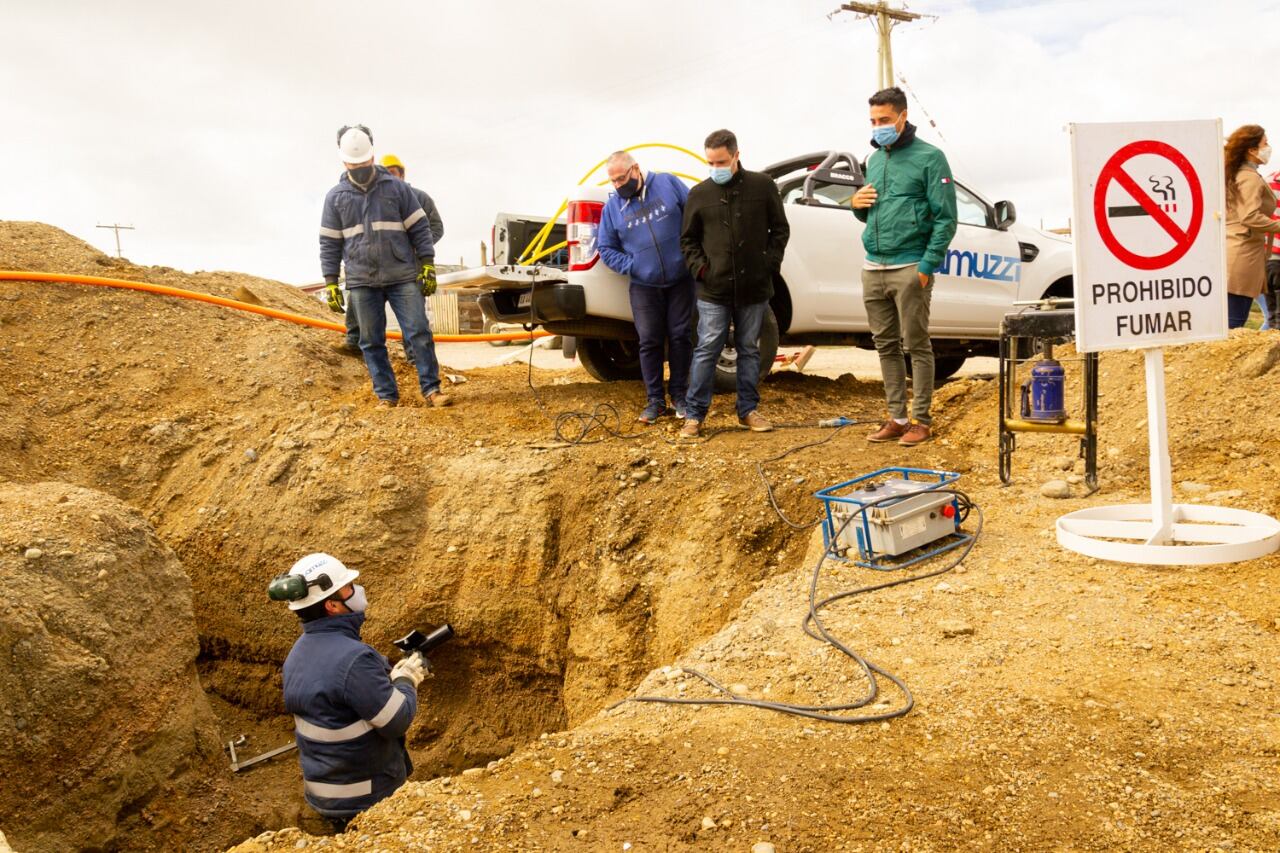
(735, 232)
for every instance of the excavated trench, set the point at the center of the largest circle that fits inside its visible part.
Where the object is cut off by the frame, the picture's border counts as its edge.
(566, 577)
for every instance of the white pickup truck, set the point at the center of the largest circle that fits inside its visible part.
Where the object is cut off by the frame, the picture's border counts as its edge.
(992, 262)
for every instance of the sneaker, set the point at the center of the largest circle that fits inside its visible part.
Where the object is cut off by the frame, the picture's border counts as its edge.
(915, 434)
(654, 410)
(888, 431)
(681, 412)
(345, 348)
(755, 422)
(387, 404)
(691, 429)
(439, 399)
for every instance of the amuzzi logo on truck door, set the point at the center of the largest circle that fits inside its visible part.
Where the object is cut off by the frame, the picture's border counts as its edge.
(959, 262)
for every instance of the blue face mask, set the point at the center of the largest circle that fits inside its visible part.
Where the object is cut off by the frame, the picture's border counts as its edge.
(885, 134)
(721, 174)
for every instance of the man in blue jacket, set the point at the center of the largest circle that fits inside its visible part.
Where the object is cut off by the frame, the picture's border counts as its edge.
(640, 238)
(374, 225)
(350, 707)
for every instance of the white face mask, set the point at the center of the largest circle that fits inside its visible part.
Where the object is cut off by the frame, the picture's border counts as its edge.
(357, 602)
(1264, 154)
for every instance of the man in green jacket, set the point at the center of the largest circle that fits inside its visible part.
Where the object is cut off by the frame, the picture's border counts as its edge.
(909, 207)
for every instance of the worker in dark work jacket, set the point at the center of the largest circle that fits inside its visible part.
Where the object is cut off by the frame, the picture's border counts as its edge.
(735, 232)
(640, 238)
(350, 707)
(373, 225)
(350, 345)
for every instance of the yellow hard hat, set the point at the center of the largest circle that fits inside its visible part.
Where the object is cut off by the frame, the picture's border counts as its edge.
(389, 160)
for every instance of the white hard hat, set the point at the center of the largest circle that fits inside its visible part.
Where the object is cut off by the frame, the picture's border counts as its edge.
(312, 567)
(355, 144)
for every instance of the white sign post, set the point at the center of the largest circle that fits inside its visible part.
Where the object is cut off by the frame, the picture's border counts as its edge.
(1150, 271)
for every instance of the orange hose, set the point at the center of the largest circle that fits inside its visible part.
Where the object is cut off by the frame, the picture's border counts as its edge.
(13, 275)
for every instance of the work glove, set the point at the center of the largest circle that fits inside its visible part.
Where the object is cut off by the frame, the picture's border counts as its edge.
(427, 279)
(333, 296)
(414, 668)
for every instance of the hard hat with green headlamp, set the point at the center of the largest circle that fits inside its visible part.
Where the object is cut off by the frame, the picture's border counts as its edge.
(312, 579)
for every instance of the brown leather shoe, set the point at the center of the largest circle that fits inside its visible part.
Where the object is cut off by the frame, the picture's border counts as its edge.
(889, 431)
(691, 429)
(755, 422)
(915, 434)
(344, 348)
(440, 400)
(387, 404)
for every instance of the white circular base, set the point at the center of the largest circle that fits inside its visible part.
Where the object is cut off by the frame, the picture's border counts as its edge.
(1199, 535)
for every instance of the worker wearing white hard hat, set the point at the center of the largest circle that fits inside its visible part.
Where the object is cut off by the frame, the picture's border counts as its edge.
(351, 708)
(375, 227)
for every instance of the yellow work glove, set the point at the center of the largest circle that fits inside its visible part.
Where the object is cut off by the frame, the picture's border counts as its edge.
(427, 279)
(333, 296)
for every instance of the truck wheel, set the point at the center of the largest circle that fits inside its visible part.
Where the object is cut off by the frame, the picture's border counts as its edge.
(726, 381)
(497, 330)
(609, 360)
(944, 367)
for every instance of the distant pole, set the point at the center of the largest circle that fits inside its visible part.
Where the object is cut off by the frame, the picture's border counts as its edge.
(118, 228)
(885, 17)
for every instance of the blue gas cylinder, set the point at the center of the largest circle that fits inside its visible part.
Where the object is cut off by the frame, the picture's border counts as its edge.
(1043, 395)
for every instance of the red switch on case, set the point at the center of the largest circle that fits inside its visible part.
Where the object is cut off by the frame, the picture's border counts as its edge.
(948, 511)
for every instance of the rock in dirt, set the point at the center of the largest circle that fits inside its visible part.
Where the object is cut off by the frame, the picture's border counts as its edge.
(763, 847)
(955, 628)
(1064, 463)
(33, 553)
(99, 688)
(1056, 489)
(1194, 488)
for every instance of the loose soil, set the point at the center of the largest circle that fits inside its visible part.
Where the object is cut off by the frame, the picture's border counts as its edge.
(1085, 705)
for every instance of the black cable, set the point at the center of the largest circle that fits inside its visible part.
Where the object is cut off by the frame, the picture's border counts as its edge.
(768, 487)
(870, 670)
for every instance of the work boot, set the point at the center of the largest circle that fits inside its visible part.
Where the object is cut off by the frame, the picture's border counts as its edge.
(387, 404)
(915, 434)
(348, 349)
(691, 429)
(439, 399)
(654, 410)
(888, 431)
(755, 422)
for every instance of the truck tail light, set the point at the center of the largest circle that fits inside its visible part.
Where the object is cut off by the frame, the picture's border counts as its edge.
(584, 226)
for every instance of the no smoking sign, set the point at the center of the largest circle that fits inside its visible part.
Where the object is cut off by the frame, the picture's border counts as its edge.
(1150, 266)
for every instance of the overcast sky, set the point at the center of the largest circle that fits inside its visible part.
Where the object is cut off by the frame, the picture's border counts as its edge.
(210, 127)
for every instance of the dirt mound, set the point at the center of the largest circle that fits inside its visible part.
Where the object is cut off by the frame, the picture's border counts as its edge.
(102, 705)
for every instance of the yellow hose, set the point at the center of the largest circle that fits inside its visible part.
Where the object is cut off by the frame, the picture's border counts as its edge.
(536, 248)
(162, 290)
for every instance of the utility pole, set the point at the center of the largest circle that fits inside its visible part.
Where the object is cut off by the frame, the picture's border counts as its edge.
(117, 228)
(885, 17)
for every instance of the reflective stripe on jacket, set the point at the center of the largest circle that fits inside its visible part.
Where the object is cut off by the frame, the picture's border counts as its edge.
(349, 717)
(382, 235)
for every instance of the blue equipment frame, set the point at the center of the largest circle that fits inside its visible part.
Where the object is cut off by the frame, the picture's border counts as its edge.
(870, 560)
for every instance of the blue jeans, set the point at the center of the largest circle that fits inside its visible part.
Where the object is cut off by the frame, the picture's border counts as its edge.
(411, 313)
(1238, 308)
(713, 334)
(353, 331)
(664, 319)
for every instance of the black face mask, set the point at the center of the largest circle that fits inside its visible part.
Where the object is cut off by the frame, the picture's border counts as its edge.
(630, 189)
(361, 175)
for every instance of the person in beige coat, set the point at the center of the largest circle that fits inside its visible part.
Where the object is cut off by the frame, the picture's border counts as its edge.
(1250, 228)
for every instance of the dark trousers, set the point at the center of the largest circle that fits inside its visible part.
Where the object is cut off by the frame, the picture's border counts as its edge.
(1238, 308)
(1271, 317)
(664, 322)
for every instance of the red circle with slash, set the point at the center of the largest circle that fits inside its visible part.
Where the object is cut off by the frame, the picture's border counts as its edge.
(1183, 240)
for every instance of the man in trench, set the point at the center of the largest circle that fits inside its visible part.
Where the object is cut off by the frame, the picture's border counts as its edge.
(350, 707)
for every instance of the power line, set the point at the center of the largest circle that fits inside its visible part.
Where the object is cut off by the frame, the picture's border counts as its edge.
(884, 18)
(117, 228)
